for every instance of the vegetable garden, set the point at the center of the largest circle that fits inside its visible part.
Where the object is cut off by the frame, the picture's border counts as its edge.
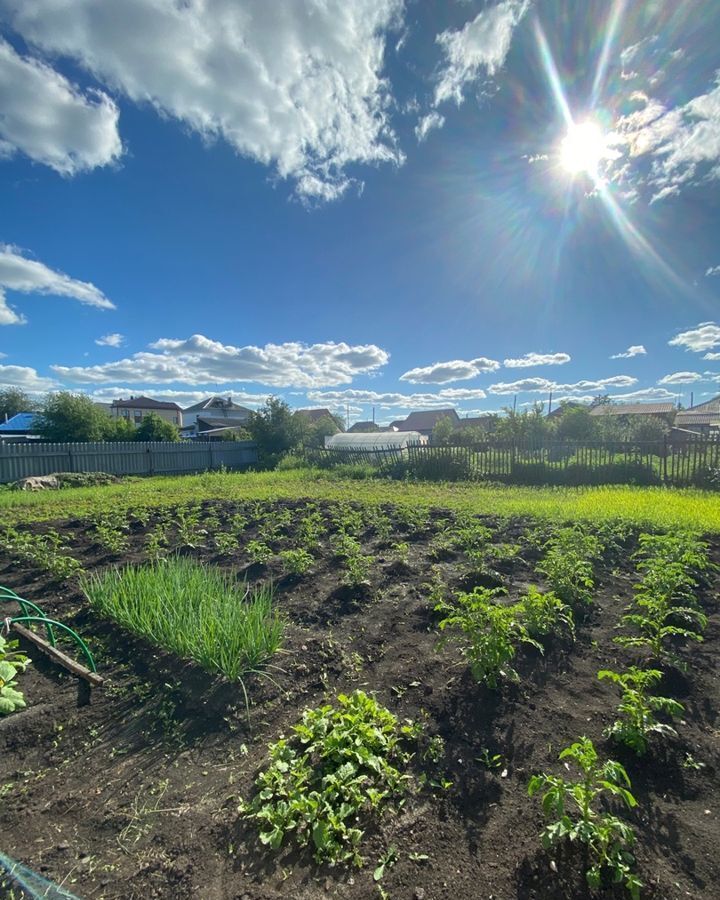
(312, 697)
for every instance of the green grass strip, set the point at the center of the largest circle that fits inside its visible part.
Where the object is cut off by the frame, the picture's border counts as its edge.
(664, 508)
(194, 610)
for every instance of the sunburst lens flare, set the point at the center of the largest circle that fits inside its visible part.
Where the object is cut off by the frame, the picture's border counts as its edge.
(583, 148)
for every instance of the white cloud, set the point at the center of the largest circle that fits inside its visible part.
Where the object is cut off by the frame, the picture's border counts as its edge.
(48, 119)
(712, 356)
(706, 336)
(634, 350)
(713, 270)
(427, 124)
(443, 398)
(110, 340)
(537, 359)
(297, 86)
(646, 395)
(200, 360)
(544, 386)
(681, 378)
(454, 370)
(481, 45)
(28, 276)
(25, 378)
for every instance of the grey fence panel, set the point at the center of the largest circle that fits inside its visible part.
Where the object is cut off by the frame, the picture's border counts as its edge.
(122, 458)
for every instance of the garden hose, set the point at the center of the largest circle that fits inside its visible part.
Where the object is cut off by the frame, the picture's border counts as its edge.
(9, 596)
(73, 634)
(14, 876)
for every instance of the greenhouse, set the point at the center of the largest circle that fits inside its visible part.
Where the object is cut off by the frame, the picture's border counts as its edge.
(375, 441)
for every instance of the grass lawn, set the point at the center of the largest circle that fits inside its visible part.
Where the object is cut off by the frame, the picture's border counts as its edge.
(657, 507)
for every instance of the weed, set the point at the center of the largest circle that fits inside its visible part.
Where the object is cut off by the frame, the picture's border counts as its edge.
(573, 805)
(490, 762)
(638, 708)
(386, 861)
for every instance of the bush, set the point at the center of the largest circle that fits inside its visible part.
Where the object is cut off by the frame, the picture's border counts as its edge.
(626, 472)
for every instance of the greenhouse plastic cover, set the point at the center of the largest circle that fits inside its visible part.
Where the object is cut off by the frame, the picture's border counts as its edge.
(384, 440)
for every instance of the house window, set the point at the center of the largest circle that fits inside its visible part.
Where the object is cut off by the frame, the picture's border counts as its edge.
(137, 415)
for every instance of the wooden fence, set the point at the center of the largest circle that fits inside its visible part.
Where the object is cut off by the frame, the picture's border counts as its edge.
(123, 458)
(680, 462)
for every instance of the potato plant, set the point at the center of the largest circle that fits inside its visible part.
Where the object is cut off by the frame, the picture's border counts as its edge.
(573, 808)
(568, 565)
(638, 708)
(545, 615)
(297, 562)
(46, 551)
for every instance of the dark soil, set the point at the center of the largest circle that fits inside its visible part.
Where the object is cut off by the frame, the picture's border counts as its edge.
(135, 794)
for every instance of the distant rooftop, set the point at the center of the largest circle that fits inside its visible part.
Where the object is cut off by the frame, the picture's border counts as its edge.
(144, 403)
(21, 423)
(633, 409)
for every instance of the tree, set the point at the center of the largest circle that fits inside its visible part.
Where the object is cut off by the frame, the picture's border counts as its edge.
(120, 429)
(646, 429)
(316, 432)
(153, 428)
(275, 430)
(443, 431)
(13, 401)
(72, 417)
(575, 424)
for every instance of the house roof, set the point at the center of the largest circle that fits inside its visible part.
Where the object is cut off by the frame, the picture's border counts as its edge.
(209, 403)
(710, 406)
(20, 423)
(206, 423)
(427, 419)
(144, 403)
(314, 415)
(633, 409)
(692, 418)
(362, 427)
(476, 421)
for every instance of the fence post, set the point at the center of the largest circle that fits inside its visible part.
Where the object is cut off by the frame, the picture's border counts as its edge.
(665, 456)
(151, 463)
(71, 459)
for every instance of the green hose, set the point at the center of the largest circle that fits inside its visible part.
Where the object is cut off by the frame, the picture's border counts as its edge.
(56, 624)
(9, 596)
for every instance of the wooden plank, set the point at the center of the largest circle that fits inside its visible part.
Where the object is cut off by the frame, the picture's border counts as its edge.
(57, 655)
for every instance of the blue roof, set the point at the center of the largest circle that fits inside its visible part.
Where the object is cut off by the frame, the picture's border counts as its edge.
(24, 421)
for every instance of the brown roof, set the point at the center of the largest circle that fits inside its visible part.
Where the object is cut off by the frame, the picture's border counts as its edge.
(710, 406)
(426, 420)
(632, 409)
(143, 403)
(477, 421)
(314, 415)
(692, 418)
(207, 423)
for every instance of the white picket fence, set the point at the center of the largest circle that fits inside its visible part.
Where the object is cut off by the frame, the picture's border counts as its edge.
(123, 458)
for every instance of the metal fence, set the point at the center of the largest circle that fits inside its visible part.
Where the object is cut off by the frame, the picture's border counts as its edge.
(680, 462)
(123, 458)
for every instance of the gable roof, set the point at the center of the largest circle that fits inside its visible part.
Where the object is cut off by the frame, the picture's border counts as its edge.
(427, 419)
(477, 421)
(633, 409)
(314, 415)
(210, 403)
(144, 403)
(206, 423)
(20, 423)
(708, 407)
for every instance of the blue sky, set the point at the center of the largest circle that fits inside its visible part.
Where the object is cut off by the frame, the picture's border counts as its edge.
(400, 205)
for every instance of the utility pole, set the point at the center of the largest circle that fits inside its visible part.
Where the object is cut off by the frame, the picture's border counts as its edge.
(550, 404)
(515, 403)
(347, 416)
(373, 415)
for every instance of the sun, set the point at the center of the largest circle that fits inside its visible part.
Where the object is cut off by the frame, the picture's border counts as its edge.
(583, 148)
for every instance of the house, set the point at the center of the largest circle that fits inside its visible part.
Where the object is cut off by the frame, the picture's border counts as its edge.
(664, 411)
(215, 408)
(481, 423)
(208, 428)
(363, 428)
(704, 418)
(136, 408)
(423, 421)
(20, 428)
(314, 415)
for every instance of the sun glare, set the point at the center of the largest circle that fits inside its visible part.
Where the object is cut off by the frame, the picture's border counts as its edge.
(583, 148)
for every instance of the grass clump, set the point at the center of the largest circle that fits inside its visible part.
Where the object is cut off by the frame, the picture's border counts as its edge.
(194, 610)
(341, 764)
